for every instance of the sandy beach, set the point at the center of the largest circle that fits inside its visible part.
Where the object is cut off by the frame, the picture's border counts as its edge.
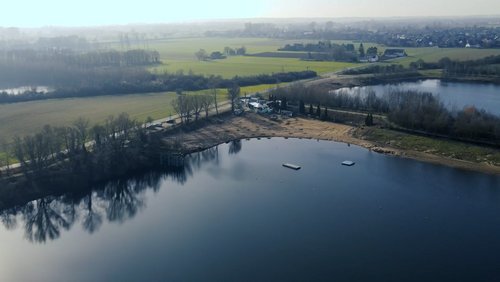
(250, 125)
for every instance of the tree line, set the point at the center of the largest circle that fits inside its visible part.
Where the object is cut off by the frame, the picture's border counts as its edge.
(189, 106)
(112, 148)
(99, 58)
(488, 66)
(376, 69)
(203, 55)
(118, 81)
(328, 51)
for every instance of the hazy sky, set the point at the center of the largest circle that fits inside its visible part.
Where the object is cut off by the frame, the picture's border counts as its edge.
(33, 13)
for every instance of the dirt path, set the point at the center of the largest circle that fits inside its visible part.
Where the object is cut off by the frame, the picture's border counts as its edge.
(252, 126)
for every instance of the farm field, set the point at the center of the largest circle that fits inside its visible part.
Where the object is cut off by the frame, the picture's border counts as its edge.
(248, 66)
(26, 118)
(29, 117)
(178, 54)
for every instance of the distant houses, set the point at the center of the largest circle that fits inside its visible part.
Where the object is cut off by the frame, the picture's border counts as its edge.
(394, 53)
(369, 59)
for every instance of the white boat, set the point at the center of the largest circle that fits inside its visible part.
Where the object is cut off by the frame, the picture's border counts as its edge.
(292, 166)
(348, 163)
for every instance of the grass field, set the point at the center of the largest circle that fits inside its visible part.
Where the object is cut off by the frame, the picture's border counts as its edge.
(178, 55)
(247, 66)
(26, 118)
(442, 147)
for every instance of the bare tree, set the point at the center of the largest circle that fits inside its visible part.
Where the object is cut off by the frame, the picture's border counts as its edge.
(206, 101)
(233, 94)
(214, 91)
(6, 154)
(81, 125)
(196, 103)
(179, 106)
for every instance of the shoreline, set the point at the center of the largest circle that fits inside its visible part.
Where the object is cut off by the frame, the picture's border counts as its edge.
(249, 126)
(206, 134)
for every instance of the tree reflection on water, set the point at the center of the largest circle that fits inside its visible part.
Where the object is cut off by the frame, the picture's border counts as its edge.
(45, 218)
(115, 201)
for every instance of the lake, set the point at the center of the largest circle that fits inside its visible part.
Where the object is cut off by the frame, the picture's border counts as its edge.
(233, 213)
(23, 89)
(453, 94)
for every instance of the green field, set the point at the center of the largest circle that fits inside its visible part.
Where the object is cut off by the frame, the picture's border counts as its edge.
(441, 147)
(178, 55)
(247, 66)
(26, 118)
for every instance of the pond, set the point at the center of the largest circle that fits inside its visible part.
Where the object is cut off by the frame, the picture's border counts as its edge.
(23, 89)
(455, 95)
(234, 213)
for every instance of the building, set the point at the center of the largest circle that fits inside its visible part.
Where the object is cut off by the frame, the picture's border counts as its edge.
(369, 59)
(394, 53)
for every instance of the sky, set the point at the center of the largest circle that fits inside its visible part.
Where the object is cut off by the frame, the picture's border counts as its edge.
(37, 13)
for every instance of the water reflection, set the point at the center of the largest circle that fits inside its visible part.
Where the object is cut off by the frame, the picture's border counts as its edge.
(8, 218)
(92, 214)
(455, 95)
(45, 218)
(115, 201)
(234, 147)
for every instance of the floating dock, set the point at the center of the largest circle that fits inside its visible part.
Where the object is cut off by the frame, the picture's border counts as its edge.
(292, 166)
(348, 163)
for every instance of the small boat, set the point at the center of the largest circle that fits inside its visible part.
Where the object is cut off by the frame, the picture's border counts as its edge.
(292, 166)
(348, 163)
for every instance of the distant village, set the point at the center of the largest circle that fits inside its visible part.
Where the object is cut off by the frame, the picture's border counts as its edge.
(328, 51)
(479, 34)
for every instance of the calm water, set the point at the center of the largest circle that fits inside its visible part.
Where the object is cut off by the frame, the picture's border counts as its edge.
(23, 89)
(453, 94)
(235, 214)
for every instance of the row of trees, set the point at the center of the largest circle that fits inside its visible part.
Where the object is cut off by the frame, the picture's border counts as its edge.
(377, 69)
(488, 66)
(117, 81)
(116, 146)
(203, 55)
(241, 51)
(89, 59)
(409, 109)
(328, 51)
(187, 106)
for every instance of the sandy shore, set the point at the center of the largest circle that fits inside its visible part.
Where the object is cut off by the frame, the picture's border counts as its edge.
(251, 125)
